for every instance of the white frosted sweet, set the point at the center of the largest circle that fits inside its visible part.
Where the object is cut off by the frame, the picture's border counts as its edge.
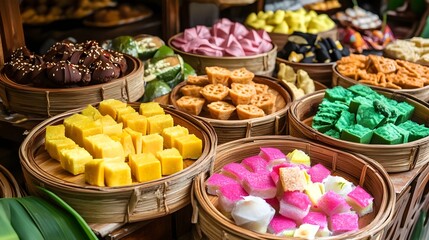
(338, 185)
(253, 213)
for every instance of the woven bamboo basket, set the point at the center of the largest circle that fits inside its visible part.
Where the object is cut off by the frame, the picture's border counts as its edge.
(212, 224)
(340, 80)
(280, 39)
(320, 72)
(260, 64)
(52, 101)
(232, 129)
(136, 202)
(9, 187)
(394, 158)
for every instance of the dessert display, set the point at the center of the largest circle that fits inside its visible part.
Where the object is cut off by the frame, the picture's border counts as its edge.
(123, 13)
(224, 38)
(115, 145)
(224, 94)
(359, 18)
(284, 195)
(360, 114)
(66, 64)
(383, 72)
(299, 83)
(411, 50)
(287, 21)
(322, 6)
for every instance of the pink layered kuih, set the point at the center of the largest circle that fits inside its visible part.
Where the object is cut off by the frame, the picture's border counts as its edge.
(215, 181)
(360, 200)
(273, 156)
(332, 203)
(319, 219)
(235, 171)
(260, 185)
(318, 172)
(255, 164)
(229, 195)
(344, 222)
(295, 205)
(279, 225)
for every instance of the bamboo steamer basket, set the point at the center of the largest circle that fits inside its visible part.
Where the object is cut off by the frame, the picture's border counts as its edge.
(48, 102)
(394, 158)
(260, 64)
(320, 72)
(280, 39)
(340, 80)
(232, 129)
(9, 187)
(131, 203)
(212, 224)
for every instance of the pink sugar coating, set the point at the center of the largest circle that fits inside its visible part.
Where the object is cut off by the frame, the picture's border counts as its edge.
(217, 180)
(274, 202)
(275, 171)
(260, 185)
(316, 218)
(280, 223)
(344, 222)
(270, 154)
(332, 203)
(232, 192)
(318, 172)
(255, 163)
(360, 196)
(238, 171)
(297, 199)
(275, 177)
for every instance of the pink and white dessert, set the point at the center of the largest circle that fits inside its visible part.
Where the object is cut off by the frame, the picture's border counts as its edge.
(275, 171)
(306, 231)
(295, 205)
(215, 181)
(229, 195)
(319, 219)
(260, 185)
(235, 171)
(332, 203)
(338, 185)
(293, 178)
(273, 156)
(318, 172)
(253, 213)
(344, 222)
(360, 201)
(282, 226)
(255, 164)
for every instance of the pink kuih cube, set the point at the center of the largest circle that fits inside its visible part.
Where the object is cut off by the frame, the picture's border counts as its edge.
(316, 218)
(276, 169)
(260, 185)
(318, 172)
(281, 226)
(332, 203)
(272, 155)
(295, 205)
(215, 181)
(255, 164)
(344, 222)
(235, 171)
(360, 200)
(274, 202)
(229, 195)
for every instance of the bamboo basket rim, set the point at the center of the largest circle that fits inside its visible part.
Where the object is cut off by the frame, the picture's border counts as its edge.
(250, 57)
(9, 187)
(282, 60)
(385, 213)
(409, 91)
(253, 121)
(208, 151)
(137, 64)
(320, 136)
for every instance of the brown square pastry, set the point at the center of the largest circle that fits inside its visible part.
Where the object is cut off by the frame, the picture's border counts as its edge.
(246, 111)
(197, 80)
(265, 101)
(191, 105)
(241, 75)
(218, 75)
(221, 110)
(214, 92)
(241, 93)
(191, 90)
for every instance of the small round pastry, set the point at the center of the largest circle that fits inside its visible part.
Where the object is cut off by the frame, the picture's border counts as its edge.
(86, 74)
(90, 56)
(64, 73)
(22, 53)
(104, 71)
(22, 74)
(59, 51)
(118, 59)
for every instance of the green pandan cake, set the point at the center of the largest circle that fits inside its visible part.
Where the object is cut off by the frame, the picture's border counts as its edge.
(357, 133)
(417, 131)
(338, 94)
(357, 101)
(367, 116)
(345, 120)
(386, 134)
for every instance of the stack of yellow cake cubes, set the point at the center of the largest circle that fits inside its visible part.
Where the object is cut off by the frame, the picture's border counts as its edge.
(115, 145)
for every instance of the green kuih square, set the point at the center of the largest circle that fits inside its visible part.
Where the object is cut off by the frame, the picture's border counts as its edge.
(357, 101)
(338, 93)
(362, 90)
(346, 119)
(404, 133)
(323, 120)
(386, 134)
(357, 133)
(333, 133)
(406, 111)
(321, 127)
(418, 133)
(333, 106)
(368, 117)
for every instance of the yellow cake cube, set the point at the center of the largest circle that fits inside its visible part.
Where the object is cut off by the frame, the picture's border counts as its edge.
(157, 123)
(55, 132)
(127, 143)
(128, 116)
(315, 191)
(299, 157)
(171, 133)
(73, 160)
(73, 120)
(171, 161)
(151, 109)
(109, 107)
(145, 167)
(152, 143)
(102, 146)
(54, 146)
(121, 112)
(94, 172)
(84, 129)
(189, 146)
(109, 126)
(137, 139)
(117, 174)
(91, 112)
(137, 123)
